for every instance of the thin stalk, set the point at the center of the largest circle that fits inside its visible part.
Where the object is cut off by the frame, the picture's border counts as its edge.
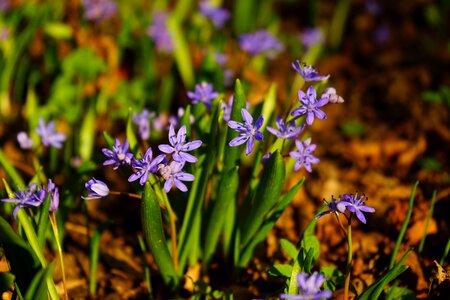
(131, 195)
(444, 255)
(348, 269)
(58, 245)
(430, 215)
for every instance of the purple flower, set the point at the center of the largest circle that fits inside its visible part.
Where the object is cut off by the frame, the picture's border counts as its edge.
(173, 175)
(97, 189)
(34, 196)
(286, 131)
(381, 35)
(373, 7)
(142, 120)
(119, 155)
(175, 120)
(220, 58)
(247, 131)
(261, 41)
(158, 32)
(308, 72)
(178, 147)
(227, 108)
(332, 96)
(216, 14)
(356, 205)
(309, 287)
(99, 10)
(303, 155)
(54, 199)
(24, 140)
(48, 134)
(334, 207)
(310, 106)
(145, 166)
(204, 92)
(311, 37)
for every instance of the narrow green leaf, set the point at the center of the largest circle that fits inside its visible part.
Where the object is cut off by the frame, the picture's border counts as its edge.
(430, 215)
(131, 136)
(266, 197)
(226, 195)
(31, 235)
(109, 140)
(11, 171)
(181, 52)
(44, 221)
(87, 134)
(280, 270)
(155, 237)
(39, 288)
(289, 248)
(23, 262)
(93, 257)
(404, 226)
(58, 31)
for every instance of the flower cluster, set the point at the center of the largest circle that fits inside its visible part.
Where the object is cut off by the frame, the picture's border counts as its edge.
(204, 92)
(34, 196)
(348, 202)
(170, 170)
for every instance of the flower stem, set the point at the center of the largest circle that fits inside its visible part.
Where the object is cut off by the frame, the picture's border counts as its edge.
(131, 195)
(349, 257)
(58, 245)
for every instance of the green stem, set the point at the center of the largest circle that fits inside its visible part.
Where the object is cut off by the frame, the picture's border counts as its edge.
(58, 245)
(348, 269)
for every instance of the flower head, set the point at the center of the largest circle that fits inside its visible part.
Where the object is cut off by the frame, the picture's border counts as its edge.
(356, 205)
(34, 196)
(119, 155)
(178, 148)
(217, 15)
(145, 166)
(4, 4)
(286, 131)
(304, 155)
(97, 189)
(332, 96)
(99, 10)
(204, 92)
(158, 32)
(142, 120)
(173, 175)
(334, 207)
(48, 134)
(247, 131)
(311, 37)
(310, 106)
(261, 41)
(24, 140)
(309, 287)
(308, 72)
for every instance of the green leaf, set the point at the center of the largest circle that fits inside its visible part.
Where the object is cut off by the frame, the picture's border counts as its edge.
(266, 197)
(44, 221)
(131, 136)
(155, 237)
(21, 258)
(109, 140)
(87, 134)
(11, 171)
(38, 288)
(289, 248)
(399, 293)
(6, 280)
(226, 195)
(59, 31)
(280, 270)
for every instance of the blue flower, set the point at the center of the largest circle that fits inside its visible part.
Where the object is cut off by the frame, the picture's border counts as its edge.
(158, 32)
(308, 72)
(49, 136)
(310, 106)
(119, 155)
(142, 120)
(261, 41)
(173, 175)
(217, 15)
(24, 140)
(286, 131)
(303, 155)
(356, 205)
(334, 207)
(54, 199)
(311, 36)
(97, 189)
(309, 287)
(145, 166)
(178, 148)
(247, 131)
(204, 92)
